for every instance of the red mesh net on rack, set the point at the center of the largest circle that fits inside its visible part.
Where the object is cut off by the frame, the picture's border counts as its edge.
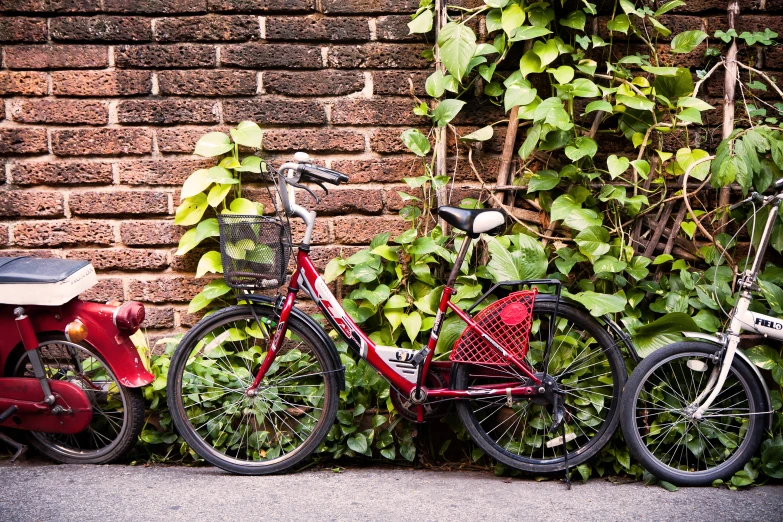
(507, 321)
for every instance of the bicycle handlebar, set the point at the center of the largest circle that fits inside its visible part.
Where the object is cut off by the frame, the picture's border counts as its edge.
(755, 196)
(304, 171)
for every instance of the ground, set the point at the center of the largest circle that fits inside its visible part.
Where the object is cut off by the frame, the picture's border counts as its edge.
(43, 491)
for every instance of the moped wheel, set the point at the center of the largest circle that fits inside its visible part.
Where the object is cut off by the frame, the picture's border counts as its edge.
(589, 373)
(118, 411)
(662, 435)
(272, 430)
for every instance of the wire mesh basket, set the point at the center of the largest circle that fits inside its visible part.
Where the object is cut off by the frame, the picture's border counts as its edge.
(507, 321)
(255, 251)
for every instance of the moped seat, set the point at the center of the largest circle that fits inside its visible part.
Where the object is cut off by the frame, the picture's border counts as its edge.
(474, 221)
(46, 282)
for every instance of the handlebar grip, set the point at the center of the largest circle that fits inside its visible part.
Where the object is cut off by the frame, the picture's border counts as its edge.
(323, 175)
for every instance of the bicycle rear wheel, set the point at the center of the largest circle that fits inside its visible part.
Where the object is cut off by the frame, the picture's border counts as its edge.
(679, 449)
(587, 368)
(272, 431)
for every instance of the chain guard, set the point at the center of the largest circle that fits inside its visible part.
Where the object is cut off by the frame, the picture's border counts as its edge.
(408, 410)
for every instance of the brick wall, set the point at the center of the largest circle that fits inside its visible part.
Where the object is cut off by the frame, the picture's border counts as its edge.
(102, 102)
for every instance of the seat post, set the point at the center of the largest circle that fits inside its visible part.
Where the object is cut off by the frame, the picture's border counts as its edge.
(458, 263)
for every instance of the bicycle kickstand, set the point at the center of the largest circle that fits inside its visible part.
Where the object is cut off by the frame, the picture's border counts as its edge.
(20, 448)
(565, 457)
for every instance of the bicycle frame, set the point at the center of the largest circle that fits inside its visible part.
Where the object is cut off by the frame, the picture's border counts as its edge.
(742, 319)
(406, 370)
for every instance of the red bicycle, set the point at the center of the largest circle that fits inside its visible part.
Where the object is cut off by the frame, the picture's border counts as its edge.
(254, 388)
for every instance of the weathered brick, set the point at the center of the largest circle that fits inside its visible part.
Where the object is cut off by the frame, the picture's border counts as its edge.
(3, 234)
(370, 6)
(378, 111)
(22, 203)
(387, 170)
(322, 255)
(395, 27)
(62, 233)
(56, 57)
(158, 317)
(101, 83)
(479, 112)
(773, 57)
(347, 201)
(165, 56)
(168, 111)
(212, 28)
(378, 56)
(149, 233)
(208, 83)
(317, 27)
(388, 140)
(26, 83)
(321, 234)
(189, 261)
(38, 252)
(23, 141)
(260, 56)
(160, 172)
(125, 202)
(399, 82)
(101, 142)
(102, 28)
(50, 6)
(106, 290)
(60, 111)
(180, 139)
(270, 111)
(313, 83)
(360, 230)
(394, 202)
(261, 5)
(50, 173)
(21, 29)
(165, 289)
(154, 6)
(121, 258)
(313, 140)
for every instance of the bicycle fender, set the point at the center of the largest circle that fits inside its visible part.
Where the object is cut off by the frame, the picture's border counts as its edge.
(263, 300)
(714, 339)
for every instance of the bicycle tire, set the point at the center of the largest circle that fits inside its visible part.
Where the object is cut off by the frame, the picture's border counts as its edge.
(661, 370)
(221, 376)
(512, 452)
(114, 405)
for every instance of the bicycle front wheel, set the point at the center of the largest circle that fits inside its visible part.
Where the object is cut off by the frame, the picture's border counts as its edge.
(275, 428)
(588, 372)
(662, 435)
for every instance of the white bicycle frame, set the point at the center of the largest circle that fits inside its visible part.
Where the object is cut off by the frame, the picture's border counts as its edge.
(742, 319)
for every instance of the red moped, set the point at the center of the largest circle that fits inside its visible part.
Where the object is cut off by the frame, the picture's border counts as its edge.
(69, 373)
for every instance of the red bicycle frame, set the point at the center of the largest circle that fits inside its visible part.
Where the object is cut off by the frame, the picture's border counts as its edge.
(306, 277)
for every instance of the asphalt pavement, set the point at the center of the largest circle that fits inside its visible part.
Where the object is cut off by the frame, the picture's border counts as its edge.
(42, 491)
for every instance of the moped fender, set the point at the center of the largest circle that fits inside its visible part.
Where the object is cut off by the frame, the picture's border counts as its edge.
(114, 346)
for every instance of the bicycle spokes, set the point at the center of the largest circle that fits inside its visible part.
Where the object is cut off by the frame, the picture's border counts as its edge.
(252, 424)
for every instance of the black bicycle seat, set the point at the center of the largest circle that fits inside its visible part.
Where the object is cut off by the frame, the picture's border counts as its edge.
(474, 221)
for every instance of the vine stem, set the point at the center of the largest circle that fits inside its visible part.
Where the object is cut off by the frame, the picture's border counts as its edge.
(763, 75)
(695, 219)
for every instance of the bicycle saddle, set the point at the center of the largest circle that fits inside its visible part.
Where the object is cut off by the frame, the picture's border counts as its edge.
(474, 221)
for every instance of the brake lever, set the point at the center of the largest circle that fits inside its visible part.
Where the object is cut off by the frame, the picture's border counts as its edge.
(297, 185)
(320, 185)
